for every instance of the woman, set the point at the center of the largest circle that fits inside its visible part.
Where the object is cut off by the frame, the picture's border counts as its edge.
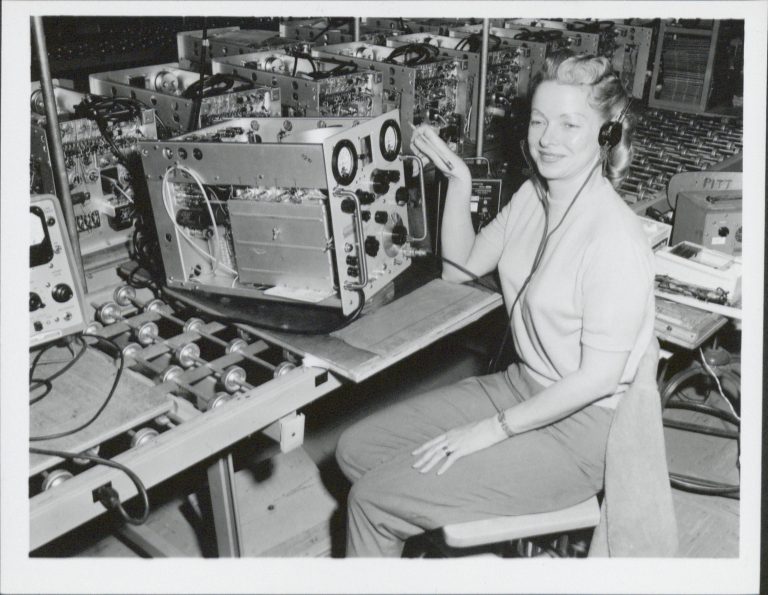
(577, 274)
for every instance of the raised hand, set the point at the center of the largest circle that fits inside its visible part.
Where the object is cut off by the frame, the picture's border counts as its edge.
(427, 144)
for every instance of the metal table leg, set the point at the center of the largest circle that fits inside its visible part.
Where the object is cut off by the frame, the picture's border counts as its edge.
(221, 484)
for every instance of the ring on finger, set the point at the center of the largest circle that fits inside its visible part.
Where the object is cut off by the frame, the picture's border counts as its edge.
(448, 452)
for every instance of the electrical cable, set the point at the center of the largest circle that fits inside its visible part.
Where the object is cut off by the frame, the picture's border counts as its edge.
(103, 405)
(107, 495)
(223, 316)
(36, 383)
(523, 35)
(474, 277)
(165, 187)
(342, 66)
(217, 84)
(711, 372)
(116, 186)
(104, 111)
(474, 42)
(424, 53)
(546, 235)
(329, 24)
(199, 91)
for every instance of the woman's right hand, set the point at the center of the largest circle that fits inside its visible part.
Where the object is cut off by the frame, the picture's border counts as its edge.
(427, 144)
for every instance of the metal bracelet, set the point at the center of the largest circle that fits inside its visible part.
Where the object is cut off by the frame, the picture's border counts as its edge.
(502, 417)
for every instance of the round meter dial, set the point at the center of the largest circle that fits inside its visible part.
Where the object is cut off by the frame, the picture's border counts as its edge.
(344, 162)
(390, 140)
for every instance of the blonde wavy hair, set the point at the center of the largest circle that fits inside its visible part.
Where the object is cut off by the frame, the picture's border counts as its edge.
(606, 95)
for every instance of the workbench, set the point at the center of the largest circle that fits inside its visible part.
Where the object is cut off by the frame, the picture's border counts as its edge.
(147, 393)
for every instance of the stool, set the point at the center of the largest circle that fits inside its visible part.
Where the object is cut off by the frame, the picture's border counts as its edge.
(507, 528)
(584, 515)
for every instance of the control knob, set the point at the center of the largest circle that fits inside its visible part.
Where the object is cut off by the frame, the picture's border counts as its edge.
(371, 246)
(382, 178)
(379, 181)
(399, 234)
(35, 303)
(364, 197)
(62, 293)
(348, 206)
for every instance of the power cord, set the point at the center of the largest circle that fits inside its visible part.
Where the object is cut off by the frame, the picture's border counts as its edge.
(103, 405)
(222, 316)
(35, 383)
(107, 110)
(473, 42)
(217, 84)
(106, 494)
(424, 53)
(546, 235)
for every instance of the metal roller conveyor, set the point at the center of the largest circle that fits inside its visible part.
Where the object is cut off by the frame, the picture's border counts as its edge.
(666, 143)
(215, 400)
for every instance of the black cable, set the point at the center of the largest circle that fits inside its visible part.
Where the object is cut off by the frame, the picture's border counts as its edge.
(342, 68)
(424, 53)
(466, 271)
(330, 24)
(296, 65)
(537, 258)
(232, 319)
(106, 494)
(216, 84)
(70, 363)
(475, 41)
(546, 35)
(494, 362)
(103, 405)
(49, 379)
(524, 34)
(48, 388)
(106, 110)
(197, 98)
(37, 358)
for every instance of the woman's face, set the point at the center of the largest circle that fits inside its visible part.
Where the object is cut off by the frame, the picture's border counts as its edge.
(562, 133)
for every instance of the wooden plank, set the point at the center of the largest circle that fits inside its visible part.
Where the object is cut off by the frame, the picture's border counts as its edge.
(284, 508)
(77, 395)
(434, 311)
(71, 504)
(285, 511)
(149, 541)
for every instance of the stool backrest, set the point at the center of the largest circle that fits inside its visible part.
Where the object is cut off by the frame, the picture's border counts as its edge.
(637, 514)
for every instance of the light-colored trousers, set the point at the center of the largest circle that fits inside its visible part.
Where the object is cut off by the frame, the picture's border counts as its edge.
(537, 471)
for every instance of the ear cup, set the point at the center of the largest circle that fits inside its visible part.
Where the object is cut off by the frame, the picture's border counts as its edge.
(610, 134)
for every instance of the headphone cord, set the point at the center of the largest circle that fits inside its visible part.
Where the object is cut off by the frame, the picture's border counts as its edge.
(546, 235)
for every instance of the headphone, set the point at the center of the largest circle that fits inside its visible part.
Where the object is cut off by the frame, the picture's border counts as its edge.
(610, 132)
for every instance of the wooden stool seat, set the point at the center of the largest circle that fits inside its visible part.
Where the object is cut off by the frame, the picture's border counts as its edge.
(507, 528)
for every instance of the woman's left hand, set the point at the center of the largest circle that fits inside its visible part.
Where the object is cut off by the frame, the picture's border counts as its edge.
(458, 443)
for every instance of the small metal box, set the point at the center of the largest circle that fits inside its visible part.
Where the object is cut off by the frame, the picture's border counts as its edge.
(710, 219)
